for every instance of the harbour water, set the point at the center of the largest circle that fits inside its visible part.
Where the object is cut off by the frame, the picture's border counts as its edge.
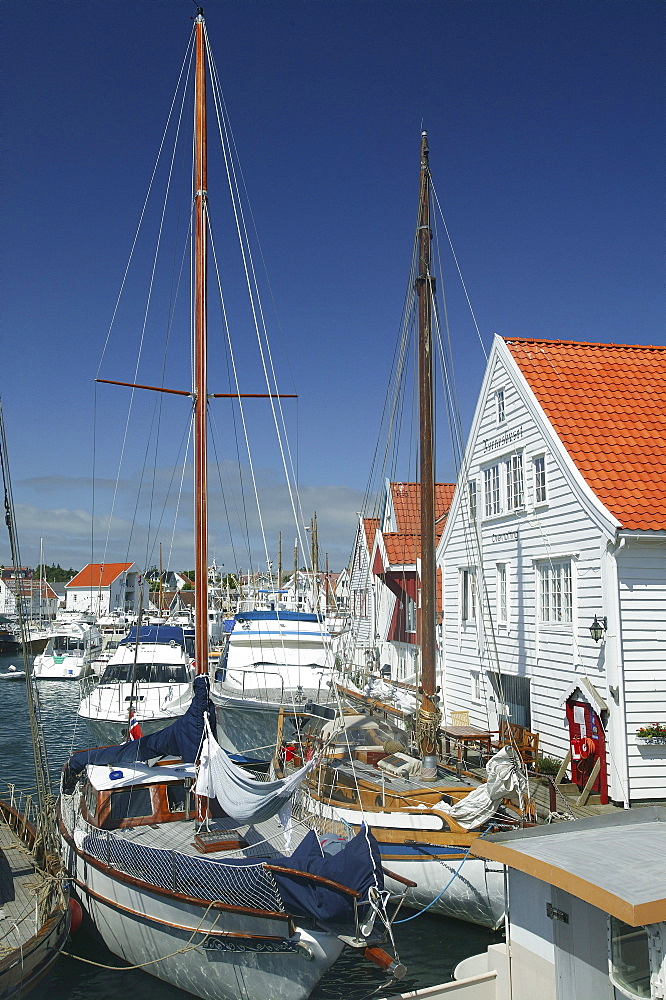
(430, 947)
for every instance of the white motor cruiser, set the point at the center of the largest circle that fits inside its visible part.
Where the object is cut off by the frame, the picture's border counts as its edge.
(70, 649)
(153, 678)
(273, 659)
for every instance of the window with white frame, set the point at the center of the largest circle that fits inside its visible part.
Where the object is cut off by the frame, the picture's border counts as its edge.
(555, 593)
(410, 614)
(515, 484)
(359, 603)
(475, 678)
(471, 493)
(499, 403)
(502, 596)
(539, 473)
(492, 497)
(468, 595)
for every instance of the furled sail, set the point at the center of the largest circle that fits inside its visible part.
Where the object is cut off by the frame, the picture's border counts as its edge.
(505, 781)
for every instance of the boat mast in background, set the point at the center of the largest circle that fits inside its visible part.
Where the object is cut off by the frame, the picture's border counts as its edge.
(429, 715)
(200, 352)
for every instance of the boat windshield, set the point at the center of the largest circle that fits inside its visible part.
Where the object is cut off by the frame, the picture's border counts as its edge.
(64, 644)
(151, 673)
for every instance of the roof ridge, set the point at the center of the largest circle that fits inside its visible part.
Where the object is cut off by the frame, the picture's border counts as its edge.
(584, 343)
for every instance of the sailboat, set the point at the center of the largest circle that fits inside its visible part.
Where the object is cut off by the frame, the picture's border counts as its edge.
(425, 816)
(199, 876)
(34, 901)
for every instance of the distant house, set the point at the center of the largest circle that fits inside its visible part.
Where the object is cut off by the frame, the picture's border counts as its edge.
(385, 581)
(558, 530)
(101, 588)
(38, 598)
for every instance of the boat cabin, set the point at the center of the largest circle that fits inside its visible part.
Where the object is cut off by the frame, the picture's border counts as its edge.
(115, 797)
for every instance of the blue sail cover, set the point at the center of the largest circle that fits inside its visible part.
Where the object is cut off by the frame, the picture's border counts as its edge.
(358, 866)
(181, 739)
(163, 634)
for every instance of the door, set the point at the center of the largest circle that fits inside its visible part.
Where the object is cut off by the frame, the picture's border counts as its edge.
(588, 744)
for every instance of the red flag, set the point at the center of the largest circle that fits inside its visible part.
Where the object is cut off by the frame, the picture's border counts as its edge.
(134, 731)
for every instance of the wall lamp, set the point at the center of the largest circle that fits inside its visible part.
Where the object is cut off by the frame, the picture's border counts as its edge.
(598, 627)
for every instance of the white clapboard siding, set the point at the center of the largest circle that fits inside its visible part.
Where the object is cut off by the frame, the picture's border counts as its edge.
(565, 527)
(642, 585)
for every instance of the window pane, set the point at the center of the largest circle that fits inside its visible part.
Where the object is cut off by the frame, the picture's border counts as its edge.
(501, 594)
(540, 479)
(630, 958)
(130, 803)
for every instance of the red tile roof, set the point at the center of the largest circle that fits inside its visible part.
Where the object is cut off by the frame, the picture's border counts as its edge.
(607, 403)
(370, 525)
(406, 499)
(402, 550)
(98, 574)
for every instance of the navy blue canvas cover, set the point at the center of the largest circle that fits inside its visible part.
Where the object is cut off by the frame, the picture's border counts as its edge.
(181, 739)
(358, 866)
(158, 633)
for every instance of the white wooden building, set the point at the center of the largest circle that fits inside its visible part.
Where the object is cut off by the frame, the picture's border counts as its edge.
(101, 588)
(560, 516)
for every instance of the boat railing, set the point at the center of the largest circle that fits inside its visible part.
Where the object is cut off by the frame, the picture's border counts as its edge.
(22, 817)
(115, 697)
(270, 692)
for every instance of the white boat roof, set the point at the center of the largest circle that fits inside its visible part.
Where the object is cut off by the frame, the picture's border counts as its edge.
(136, 774)
(150, 652)
(614, 861)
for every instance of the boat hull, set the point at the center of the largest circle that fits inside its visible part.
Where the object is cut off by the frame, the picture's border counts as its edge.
(204, 950)
(106, 731)
(448, 881)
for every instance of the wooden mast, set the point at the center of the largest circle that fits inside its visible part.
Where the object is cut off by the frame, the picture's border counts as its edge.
(429, 715)
(200, 359)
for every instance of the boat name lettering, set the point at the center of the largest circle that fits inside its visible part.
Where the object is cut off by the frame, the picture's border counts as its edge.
(491, 444)
(227, 944)
(505, 536)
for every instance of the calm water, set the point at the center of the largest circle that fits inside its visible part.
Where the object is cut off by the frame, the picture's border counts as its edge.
(430, 947)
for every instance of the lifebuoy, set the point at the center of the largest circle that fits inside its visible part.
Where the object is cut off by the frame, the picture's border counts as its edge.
(587, 747)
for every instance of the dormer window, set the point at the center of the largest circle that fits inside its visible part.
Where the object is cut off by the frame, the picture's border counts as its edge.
(499, 403)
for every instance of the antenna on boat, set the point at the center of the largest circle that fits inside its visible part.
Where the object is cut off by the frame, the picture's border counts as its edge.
(429, 716)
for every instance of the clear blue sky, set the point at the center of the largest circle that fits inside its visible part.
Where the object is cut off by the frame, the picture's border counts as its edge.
(547, 134)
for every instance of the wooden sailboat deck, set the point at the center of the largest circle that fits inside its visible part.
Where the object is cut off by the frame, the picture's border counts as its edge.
(19, 882)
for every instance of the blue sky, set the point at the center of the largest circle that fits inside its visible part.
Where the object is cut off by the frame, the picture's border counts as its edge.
(546, 123)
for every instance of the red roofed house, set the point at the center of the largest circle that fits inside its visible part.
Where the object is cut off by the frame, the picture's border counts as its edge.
(559, 519)
(385, 580)
(101, 588)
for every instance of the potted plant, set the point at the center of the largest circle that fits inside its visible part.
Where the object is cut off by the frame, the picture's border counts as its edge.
(655, 732)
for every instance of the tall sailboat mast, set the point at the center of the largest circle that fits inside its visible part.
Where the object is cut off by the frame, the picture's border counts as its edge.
(428, 717)
(200, 351)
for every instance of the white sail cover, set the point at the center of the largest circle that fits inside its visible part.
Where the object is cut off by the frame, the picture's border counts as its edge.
(506, 780)
(243, 798)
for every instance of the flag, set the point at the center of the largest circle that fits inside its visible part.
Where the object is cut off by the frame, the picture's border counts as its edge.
(134, 731)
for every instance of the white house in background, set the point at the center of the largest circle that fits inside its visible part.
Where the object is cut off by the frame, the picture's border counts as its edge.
(38, 598)
(560, 516)
(100, 588)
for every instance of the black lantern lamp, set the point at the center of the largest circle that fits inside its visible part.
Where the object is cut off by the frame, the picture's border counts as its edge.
(598, 627)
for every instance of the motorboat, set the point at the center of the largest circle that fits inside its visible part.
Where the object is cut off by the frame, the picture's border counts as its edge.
(70, 649)
(274, 661)
(150, 676)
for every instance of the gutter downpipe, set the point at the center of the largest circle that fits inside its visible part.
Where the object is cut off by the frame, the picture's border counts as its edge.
(622, 758)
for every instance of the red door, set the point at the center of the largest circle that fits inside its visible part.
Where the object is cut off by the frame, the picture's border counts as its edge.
(588, 744)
